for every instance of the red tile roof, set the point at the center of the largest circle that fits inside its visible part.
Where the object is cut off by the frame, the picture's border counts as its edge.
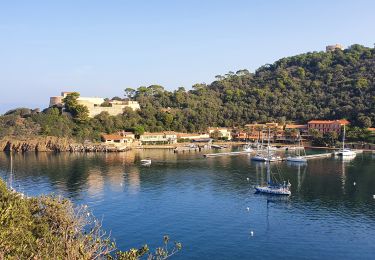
(342, 121)
(112, 137)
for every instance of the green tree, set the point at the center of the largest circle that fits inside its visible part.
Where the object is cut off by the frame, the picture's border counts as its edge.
(79, 112)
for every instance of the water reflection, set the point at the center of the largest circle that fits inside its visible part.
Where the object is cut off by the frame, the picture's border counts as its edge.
(301, 174)
(198, 200)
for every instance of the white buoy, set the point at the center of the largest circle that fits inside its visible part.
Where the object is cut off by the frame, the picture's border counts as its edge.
(354, 183)
(247, 179)
(251, 233)
(121, 184)
(248, 209)
(373, 196)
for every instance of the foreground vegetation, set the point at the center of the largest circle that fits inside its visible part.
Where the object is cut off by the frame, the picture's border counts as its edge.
(49, 227)
(324, 85)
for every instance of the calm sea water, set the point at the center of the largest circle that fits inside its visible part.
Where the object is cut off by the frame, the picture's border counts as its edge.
(209, 204)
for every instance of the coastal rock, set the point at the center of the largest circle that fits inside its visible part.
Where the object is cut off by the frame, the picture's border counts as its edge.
(52, 144)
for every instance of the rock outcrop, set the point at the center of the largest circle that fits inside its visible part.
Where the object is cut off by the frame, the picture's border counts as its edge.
(52, 144)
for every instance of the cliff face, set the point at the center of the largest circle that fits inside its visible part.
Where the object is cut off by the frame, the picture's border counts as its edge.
(37, 144)
(53, 144)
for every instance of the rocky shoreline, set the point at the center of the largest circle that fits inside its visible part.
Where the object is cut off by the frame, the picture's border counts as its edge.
(53, 144)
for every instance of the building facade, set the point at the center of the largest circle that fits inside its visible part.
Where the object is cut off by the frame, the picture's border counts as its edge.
(325, 126)
(116, 139)
(334, 47)
(167, 137)
(222, 132)
(197, 136)
(95, 104)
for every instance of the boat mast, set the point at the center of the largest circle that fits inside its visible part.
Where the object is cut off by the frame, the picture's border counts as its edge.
(268, 147)
(268, 160)
(343, 139)
(300, 146)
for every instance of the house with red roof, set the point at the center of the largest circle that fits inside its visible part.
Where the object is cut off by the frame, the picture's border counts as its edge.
(325, 126)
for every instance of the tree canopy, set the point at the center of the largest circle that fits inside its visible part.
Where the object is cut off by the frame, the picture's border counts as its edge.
(315, 85)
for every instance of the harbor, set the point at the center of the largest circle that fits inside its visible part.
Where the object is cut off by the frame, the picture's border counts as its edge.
(205, 195)
(308, 157)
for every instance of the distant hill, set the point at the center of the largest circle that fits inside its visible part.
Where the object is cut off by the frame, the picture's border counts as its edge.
(317, 85)
(329, 85)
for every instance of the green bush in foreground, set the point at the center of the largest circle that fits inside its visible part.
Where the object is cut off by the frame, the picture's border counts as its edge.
(49, 227)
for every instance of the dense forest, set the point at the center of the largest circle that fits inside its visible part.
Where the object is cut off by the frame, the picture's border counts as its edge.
(324, 85)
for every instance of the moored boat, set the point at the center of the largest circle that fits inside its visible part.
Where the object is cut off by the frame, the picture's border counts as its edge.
(298, 158)
(146, 162)
(345, 151)
(272, 187)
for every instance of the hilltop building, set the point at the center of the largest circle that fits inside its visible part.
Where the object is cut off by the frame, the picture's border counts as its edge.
(334, 47)
(95, 104)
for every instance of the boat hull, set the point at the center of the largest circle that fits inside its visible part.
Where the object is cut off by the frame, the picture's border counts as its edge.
(273, 190)
(259, 158)
(346, 153)
(296, 159)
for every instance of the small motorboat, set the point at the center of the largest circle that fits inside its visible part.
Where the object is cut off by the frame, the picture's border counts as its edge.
(146, 162)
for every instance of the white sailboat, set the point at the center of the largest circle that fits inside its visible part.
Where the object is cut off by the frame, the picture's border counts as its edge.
(345, 152)
(262, 157)
(298, 158)
(271, 187)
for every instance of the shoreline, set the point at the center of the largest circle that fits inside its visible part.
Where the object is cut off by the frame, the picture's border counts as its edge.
(62, 144)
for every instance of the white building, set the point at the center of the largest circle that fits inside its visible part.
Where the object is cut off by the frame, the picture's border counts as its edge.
(167, 137)
(94, 104)
(223, 132)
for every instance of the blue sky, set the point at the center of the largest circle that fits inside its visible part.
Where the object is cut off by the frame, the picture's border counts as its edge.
(101, 47)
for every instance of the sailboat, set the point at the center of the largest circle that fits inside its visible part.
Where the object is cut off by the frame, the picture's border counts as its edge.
(261, 157)
(298, 158)
(345, 151)
(272, 187)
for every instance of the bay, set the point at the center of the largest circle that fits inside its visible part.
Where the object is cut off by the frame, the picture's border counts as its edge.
(209, 204)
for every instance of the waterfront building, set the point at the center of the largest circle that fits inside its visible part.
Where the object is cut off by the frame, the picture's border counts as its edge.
(240, 135)
(130, 135)
(96, 105)
(116, 139)
(193, 136)
(325, 126)
(222, 132)
(294, 131)
(167, 137)
(255, 130)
